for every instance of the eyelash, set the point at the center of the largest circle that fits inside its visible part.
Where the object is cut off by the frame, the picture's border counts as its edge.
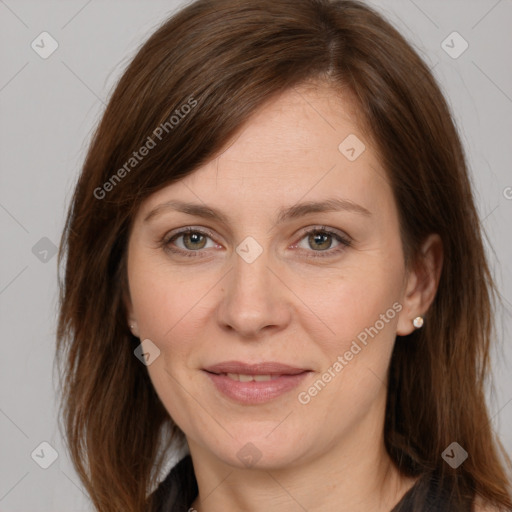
(345, 242)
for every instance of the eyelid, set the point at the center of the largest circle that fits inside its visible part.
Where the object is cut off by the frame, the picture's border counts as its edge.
(322, 228)
(188, 229)
(344, 239)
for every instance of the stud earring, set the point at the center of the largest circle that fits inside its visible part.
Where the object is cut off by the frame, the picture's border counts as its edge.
(418, 322)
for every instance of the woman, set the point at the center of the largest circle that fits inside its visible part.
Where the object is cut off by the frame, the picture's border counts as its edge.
(274, 261)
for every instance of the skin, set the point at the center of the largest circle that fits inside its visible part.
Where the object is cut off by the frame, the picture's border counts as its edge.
(287, 306)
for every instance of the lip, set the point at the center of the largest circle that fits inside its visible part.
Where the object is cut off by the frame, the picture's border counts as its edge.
(284, 379)
(266, 368)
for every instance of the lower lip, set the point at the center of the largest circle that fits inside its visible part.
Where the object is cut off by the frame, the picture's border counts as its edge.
(253, 392)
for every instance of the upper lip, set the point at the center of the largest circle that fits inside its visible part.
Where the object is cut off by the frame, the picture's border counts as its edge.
(266, 368)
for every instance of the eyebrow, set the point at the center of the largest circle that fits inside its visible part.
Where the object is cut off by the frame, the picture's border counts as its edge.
(293, 212)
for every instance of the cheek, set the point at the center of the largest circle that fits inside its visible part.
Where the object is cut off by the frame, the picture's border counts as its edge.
(163, 298)
(166, 306)
(361, 304)
(363, 313)
(174, 304)
(356, 359)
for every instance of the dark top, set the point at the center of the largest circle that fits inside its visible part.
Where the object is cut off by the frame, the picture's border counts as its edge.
(179, 489)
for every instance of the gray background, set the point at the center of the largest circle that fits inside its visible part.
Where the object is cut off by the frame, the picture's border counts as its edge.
(48, 110)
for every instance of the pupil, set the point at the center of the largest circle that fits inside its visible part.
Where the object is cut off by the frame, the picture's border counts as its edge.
(318, 237)
(193, 238)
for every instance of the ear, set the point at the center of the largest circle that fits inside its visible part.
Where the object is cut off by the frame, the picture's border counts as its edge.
(130, 317)
(421, 283)
(132, 324)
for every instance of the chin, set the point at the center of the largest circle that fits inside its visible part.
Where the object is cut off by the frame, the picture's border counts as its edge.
(262, 451)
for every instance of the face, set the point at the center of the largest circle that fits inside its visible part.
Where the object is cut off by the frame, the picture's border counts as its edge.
(312, 298)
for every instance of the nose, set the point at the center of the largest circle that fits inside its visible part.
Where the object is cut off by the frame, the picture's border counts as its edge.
(255, 301)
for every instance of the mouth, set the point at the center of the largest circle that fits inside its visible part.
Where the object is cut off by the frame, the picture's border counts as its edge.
(271, 368)
(254, 383)
(241, 377)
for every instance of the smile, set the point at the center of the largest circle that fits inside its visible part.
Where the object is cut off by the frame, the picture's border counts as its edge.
(255, 388)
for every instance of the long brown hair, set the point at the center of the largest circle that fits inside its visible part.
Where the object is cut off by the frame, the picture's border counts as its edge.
(224, 59)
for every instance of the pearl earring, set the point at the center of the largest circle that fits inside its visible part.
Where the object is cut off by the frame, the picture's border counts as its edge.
(418, 322)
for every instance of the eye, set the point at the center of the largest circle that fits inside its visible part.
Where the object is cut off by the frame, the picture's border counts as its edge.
(321, 240)
(194, 240)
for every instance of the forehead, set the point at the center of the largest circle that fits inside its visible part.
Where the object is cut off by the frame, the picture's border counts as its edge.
(301, 121)
(294, 146)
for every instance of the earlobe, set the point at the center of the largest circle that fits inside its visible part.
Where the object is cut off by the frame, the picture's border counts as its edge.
(132, 323)
(421, 285)
(133, 328)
